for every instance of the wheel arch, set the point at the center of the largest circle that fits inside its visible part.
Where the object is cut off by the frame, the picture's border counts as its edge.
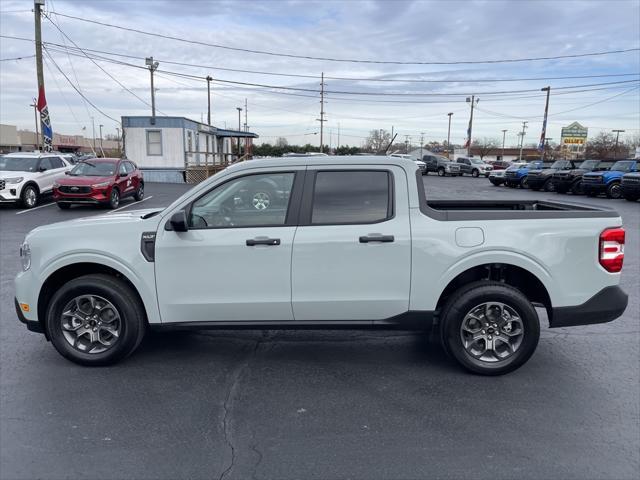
(73, 270)
(508, 273)
(30, 183)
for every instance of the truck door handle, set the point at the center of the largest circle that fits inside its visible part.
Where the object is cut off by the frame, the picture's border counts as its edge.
(377, 238)
(252, 242)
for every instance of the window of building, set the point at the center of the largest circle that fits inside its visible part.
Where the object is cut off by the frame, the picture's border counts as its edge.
(154, 142)
(351, 197)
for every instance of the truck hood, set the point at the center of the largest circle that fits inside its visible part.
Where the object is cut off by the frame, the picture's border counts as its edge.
(12, 174)
(546, 171)
(81, 180)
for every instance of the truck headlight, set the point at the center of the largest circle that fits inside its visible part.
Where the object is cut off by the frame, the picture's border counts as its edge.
(13, 180)
(25, 256)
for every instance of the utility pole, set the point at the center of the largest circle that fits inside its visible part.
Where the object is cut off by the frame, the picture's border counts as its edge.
(239, 114)
(246, 109)
(473, 100)
(46, 133)
(546, 147)
(152, 66)
(93, 129)
(449, 135)
(338, 135)
(544, 123)
(101, 149)
(209, 100)
(615, 152)
(504, 135)
(522, 134)
(35, 115)
(321, 119)
(406, 143)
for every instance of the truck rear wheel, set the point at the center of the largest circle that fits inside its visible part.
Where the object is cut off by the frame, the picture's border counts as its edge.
(489, 328)
(95, 320)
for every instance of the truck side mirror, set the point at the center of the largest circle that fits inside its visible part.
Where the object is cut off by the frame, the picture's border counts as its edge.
(178, 222)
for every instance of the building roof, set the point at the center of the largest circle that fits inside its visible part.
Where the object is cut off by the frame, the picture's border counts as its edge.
(182, 122)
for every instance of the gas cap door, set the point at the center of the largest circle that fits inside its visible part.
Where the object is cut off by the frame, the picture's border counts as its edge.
(469, 237)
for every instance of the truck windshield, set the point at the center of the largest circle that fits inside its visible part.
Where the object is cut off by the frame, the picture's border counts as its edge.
(589, 164)
(94, 169)
(624, 166)
(476, 161)
(18, 164)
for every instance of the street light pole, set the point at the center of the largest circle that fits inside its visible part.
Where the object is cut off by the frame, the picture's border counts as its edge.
(544, 123)
(239, 113)
(118, 135)
(449, 135)
(504, 135)
(101, 149)
(152, 66)
(522, 134)
(93, 130)
(615, 152)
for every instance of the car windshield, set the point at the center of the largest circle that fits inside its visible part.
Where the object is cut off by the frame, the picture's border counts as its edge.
(624, 166)
(94, 169)
(19, 164)
(589, 164)
(561, 164)
(533, 165)
(475, 161)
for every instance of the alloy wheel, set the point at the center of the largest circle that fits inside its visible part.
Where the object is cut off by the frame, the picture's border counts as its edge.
(30, 197)
(91, 324)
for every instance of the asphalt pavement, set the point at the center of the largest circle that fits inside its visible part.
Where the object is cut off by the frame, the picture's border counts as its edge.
(320, 404)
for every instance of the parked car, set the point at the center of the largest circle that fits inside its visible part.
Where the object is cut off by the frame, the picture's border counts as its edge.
(631, 186)
(540, 178)
(441, 165)
(517, 177)
(473, 166)
(498, 177)
(608, 182)
(571, 180)
(99, 181)
(499, 164)
(25, 177)
(95, 286)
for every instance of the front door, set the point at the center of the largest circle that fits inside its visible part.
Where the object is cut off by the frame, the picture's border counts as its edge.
(233, 263)
(352, 251)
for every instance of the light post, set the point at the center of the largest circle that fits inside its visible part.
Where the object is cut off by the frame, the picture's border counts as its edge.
(615, 152)
(504, 135)
(152, 66)
(449, 135)
(239, 113)
(101, 149)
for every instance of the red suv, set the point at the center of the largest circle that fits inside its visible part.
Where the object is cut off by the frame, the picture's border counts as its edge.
(99, 181)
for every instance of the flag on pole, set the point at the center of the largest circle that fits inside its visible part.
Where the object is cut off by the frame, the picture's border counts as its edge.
(543, 134)
(45, 121)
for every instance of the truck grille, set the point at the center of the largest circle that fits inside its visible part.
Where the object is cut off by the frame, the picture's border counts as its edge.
(1, 184)
(511, 174)
(594, 179)
(561, 175)
(631, 180)
(73, 189)
(454, 168)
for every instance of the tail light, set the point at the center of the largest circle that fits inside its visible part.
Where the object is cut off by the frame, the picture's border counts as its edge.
(611, 254)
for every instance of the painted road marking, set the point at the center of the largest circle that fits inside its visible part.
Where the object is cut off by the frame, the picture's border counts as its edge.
(130, 204)
(34, 208)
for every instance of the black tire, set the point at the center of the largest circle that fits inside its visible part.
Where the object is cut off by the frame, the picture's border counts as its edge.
(123, 298)
(114, 198)
(631, 198)
(465, 300)
(29, 196)
(548, 186)
(475, 173)
(495, 184)
(576, 187)
(441, 172)
(524, 182)
(614, 190)
(63, 206)
(139, 195)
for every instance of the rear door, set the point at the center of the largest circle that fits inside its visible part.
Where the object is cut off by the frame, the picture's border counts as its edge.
(351, 254)
(47, 174)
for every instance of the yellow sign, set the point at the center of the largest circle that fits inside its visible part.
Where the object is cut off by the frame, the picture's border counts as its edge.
(573, 141)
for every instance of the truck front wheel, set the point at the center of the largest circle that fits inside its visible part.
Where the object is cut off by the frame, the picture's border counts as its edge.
(614, 190)
(95, 320)
(441, 172)
(489, 328)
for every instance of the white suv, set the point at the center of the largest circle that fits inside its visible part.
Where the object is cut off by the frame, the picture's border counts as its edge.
(25, 176)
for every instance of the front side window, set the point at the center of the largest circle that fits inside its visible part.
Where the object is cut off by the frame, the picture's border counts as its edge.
(249, 201)
(351, 197)
(56, 162)
(129, 166)
(154, 142)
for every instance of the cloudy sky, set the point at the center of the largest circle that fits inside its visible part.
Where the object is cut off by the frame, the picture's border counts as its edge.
(426, 37)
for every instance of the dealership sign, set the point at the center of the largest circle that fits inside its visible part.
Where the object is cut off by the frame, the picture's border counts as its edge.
(574, 134)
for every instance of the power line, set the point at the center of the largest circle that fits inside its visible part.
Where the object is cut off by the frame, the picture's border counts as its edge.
(345, 60)
(16, 58)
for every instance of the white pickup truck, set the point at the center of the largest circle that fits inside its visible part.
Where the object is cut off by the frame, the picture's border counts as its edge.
(328, 242)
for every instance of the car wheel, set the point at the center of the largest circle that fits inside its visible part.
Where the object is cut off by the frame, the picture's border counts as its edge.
(29, 196)
(496, 184)
(95, 320)
(63, 206)
(576, 188)
(441, 172)
(475, 173)
(548, 186)
(489, 328)
(139, 193)
(114, 198)
(524, 183)
(614, 190)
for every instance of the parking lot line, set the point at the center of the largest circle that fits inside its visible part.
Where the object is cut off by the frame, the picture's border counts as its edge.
(35, 208)
(126, 206)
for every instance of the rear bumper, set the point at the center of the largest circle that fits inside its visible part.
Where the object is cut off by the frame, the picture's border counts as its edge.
(605, 306)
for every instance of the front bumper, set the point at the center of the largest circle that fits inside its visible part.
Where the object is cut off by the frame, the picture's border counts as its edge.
(96, 196)
(10, 193)
(32, 325)
(605, 306)
(595, 188)
(632, 189)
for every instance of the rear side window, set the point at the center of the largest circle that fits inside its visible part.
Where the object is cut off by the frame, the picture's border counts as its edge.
(130, 167)
(45, 164)
(56, 162)
(351, 197)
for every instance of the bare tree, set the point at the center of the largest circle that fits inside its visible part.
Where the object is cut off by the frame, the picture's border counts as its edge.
(601, 146)
(377, 141)
(484, 147)
(281, 142)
